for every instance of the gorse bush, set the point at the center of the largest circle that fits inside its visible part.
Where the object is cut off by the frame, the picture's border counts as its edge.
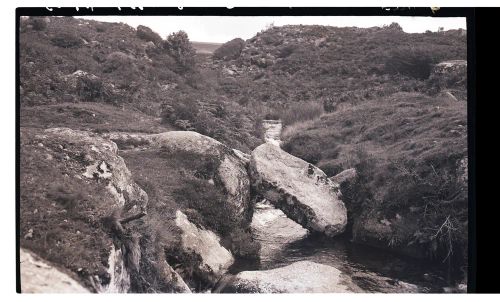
(409, 62)
(147, 34)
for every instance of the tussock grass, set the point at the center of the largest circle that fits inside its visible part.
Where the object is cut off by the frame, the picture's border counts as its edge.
(299, 112)
(294, 129)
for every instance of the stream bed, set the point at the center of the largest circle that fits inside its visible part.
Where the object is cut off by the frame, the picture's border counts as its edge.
(284, 242)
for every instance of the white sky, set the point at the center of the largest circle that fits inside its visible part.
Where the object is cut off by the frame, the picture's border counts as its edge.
(225, 28)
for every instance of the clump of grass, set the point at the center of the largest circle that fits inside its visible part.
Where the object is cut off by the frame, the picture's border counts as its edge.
(300, 112)
(67, 39)
(296, 128)
(67, 197)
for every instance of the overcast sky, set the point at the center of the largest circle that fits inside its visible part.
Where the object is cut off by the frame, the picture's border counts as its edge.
(225, 28)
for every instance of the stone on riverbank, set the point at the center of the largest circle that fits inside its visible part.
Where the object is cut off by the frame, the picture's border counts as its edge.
(302, 191)
(299, 277)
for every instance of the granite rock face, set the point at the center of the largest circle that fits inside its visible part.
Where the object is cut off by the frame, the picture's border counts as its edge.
(302, 191)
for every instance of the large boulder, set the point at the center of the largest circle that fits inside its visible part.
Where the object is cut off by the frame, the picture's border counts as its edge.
(274, 231)
(299, 277)
(214, 258)
(230, 50)
(208, 183)
(102, 165)
(38, 276)
(225, 167)
(302, 191)
(228, 169)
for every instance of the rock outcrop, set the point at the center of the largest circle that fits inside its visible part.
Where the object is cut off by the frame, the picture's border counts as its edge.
(299, 277)
(302, 191)
(226, 168)
(215, 259)
(104, 165)
(230, 50)
(70, 181)
(451, 78)
(38, 276)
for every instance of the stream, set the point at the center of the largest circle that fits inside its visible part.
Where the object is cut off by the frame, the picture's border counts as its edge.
(373, 270)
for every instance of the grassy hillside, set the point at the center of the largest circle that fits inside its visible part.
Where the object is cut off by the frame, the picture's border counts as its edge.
(332, 66)
(67, 60)
(408, 149)
(91, 116)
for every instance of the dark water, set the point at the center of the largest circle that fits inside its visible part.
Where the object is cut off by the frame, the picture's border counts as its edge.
(372, 269)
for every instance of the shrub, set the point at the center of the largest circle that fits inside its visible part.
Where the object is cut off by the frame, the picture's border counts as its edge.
(67, 40)
(304, 147)
(90, 87)
(444, 199)
(38, 23)
(116, 60)
(272, 39)
(409, 62)
(299, 112)
(217, 214)
(230, 50)
(287, 50)
(179, 47)
(181, 109)
(100, 27)
(147, 34)
(394, 26)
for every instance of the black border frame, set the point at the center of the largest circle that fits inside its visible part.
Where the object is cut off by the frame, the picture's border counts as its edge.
(468, 13)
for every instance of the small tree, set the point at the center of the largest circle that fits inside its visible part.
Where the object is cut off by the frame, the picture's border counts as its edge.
(179, 47)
